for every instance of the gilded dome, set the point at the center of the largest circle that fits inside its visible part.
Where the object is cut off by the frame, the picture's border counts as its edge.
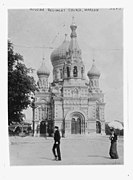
(43, 70)
(60, 52)
(93, 71)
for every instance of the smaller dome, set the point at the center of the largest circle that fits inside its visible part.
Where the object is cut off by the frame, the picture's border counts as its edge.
(60, 52)
(93, 71)
(43, 70)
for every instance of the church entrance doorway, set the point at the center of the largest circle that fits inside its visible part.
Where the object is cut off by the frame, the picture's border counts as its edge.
(77, 123)
(42, 128)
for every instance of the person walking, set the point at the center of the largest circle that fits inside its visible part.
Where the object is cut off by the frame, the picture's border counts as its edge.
(113, 148)
(56, 146)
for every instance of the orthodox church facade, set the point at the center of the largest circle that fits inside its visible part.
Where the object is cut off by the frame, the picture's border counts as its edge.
(71, 102)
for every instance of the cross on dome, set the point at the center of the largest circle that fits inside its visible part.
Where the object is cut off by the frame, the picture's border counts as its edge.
(73, 20)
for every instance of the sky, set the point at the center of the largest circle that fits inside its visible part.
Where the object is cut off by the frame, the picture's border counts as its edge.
(99, 35)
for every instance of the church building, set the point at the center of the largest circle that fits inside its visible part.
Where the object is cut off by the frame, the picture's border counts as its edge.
(71, 102)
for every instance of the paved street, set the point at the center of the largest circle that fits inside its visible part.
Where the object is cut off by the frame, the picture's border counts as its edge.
(75, 150)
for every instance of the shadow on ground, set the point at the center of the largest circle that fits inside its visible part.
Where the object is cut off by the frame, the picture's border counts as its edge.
(93, 156)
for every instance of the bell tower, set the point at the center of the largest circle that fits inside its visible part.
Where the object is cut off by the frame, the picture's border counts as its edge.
(74, 67)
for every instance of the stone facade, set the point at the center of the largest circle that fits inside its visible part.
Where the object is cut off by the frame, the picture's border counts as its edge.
(71, 102)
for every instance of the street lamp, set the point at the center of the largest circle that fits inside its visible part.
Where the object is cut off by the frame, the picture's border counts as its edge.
(33, 109)
(33, 106)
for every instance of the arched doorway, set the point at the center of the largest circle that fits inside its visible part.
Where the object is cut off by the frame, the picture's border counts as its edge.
(42, 128)
(98, 127)
(46, 128)
(77, 123)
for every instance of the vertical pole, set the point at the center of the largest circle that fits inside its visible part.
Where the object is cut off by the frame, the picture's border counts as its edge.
(46, 121)
(46, 129)
(22, 129)
(33, 120)
(63, 133)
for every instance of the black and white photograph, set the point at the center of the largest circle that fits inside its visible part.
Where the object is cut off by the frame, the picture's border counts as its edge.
(65, 86)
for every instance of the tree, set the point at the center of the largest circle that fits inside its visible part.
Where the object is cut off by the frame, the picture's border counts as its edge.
(20, 85)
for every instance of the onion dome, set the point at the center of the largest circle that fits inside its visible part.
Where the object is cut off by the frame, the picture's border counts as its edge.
(60, 52)
(93, 71)
(43, 70)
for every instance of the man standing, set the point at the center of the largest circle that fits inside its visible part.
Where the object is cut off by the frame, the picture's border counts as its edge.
(56, 146)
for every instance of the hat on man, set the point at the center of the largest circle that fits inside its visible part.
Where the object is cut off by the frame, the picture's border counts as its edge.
(56, 127)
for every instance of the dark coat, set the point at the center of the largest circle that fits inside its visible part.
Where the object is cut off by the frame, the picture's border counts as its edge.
(57, 136)
(113, 148)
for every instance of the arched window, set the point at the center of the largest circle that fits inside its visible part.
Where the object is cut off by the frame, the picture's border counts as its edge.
(95, 83)
(55, 74)
(75, 71)
(61, 74)
(44, 82)
(82, 71)
(68, 72)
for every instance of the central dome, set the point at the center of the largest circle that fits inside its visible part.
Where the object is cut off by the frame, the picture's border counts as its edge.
(60, 52)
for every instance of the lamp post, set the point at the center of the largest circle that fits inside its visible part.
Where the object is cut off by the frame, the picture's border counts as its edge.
(33, 106)
(33, 110)
(63, 128)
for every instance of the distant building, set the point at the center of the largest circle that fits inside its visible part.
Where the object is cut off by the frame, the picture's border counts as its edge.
(71, 102)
